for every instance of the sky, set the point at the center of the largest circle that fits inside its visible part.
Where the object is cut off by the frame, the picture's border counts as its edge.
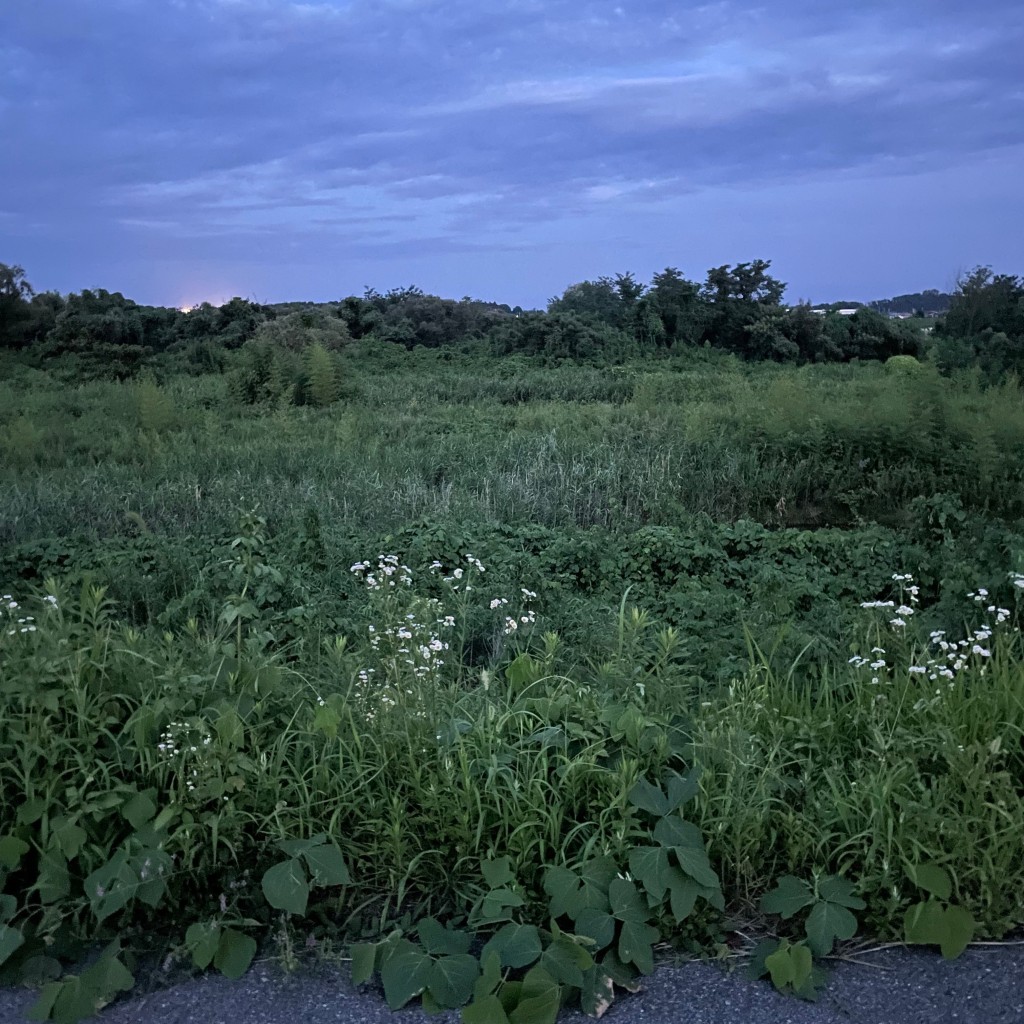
(182, 151)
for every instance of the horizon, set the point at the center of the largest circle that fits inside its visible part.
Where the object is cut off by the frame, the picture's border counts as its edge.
(319, 148)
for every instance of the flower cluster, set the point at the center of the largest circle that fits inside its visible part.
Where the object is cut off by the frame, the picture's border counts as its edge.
(909, 591)
(408, 642)
(949, 656)
(388, 573)
(186, 743)
(9, 608)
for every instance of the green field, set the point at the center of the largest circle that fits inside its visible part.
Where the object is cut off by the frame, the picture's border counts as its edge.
(610, 625)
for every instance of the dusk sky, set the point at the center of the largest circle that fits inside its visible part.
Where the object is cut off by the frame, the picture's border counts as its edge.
(189, 150)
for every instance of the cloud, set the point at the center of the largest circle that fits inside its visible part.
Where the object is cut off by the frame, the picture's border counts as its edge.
(433, 121)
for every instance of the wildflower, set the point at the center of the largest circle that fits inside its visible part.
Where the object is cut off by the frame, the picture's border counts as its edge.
(917, 670)
(457, 573)
(897, 623)
(497, 602)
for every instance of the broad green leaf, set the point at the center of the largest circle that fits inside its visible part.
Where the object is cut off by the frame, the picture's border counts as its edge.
(683, 788)
(140, 809)
(327, 865)
(839, 890)
(517, 945)
(235, 953)
(405, 973)
(597, 993)
(780, 966)
(564, 889)
(826, 923)
(789, 965)
(38, 971)
(297, 847)
(364, 961)
(487, 1010)
(106, 978)
(566, 961)
(598, 925)
(11, 940)
(54, 883)
(539, 999)
(497, 872)
(437, 940)
(598, 872)
(676, 832)
(758, 967)
(75, 1000)
(112, 887)
(489, 978)
(42, 1008)
(8, 907)
(648, 797)
(624, 975)
(636, 941)
(286, 888)
(626, 902)
(12, 849)
(932, 879)
(802, 962)
(683, 893)
(649, 866)
(32, 810)
(69, 838)
(494, 907)
(924, 923)
(452, 979)
(959, 925)
(687, 841)
(202, 940)
(789, 896)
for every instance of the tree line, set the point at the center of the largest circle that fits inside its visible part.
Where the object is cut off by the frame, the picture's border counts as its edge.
(737, 308)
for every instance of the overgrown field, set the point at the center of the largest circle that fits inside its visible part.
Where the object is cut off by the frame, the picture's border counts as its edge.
(508, 673)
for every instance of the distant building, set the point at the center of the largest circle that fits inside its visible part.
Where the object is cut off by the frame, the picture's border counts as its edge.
(846, 312)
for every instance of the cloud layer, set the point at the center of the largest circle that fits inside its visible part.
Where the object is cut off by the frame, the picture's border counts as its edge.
(291, 150)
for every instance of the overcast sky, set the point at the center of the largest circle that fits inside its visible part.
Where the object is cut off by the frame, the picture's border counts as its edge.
(182, 150)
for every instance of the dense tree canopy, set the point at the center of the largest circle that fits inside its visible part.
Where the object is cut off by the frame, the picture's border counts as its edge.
(737, 308)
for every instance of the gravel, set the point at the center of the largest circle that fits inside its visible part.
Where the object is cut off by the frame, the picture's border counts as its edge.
(892, 986)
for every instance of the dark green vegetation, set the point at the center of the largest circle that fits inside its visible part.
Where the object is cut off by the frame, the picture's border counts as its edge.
(522, 665)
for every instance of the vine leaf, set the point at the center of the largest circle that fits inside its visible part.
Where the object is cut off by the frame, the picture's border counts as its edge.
(932, 879)
(826, 923)
(789, 896)
(286, 888)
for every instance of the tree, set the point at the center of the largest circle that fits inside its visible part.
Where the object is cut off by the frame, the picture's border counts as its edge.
(678, 305)
(984, 300)
(15, 294)
(321, 375)
(739, 297)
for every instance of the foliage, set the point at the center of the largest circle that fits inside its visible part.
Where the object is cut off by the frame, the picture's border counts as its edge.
(522, 669)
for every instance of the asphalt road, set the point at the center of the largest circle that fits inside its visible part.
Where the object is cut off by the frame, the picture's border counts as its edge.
(896, 986)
